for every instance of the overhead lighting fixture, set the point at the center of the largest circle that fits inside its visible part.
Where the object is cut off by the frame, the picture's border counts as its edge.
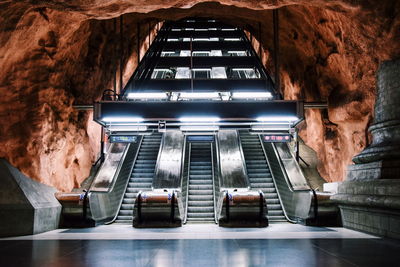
(232, 39)
(277, 118)
(147, 96)
(132, 128)
(246, 95)
(123, 119)
(269, 128)
(199, 128)
(199, 119)
(199, 95)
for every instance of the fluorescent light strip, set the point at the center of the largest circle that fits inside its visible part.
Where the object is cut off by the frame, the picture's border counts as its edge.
(123, 119)
(127, 128)
(199, 95)
(199, 128)
(269, 128)
(244, 95)
(199, 119)
(278, 118)
(147, 96)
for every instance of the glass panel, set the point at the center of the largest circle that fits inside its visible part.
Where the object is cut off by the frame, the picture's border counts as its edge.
(185, 53)
(218, 73)
(201, 53)
(201, 73)
(216, 53)
(182, 73)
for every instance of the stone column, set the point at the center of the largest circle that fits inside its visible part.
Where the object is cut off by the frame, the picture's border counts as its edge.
(369, 199)
(381, 160)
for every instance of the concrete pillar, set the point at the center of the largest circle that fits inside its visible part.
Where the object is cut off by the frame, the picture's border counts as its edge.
(381, 160)
(369, 200)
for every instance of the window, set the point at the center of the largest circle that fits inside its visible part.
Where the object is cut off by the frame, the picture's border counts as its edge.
(216, 53)
(201, 73)
(201, 53)
(168, 53)
(182, 73)
(162, 74)
(245, 74)
(185, 53)
(237, 53)
(218, 73)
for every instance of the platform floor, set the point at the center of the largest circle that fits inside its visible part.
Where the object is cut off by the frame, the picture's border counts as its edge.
(200, 245)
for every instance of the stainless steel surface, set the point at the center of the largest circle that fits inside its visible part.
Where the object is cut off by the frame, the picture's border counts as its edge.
(104, 206)
(185, 178)
(108, 171)
(294, 173)
(315, 105)
(83, 107)
(231, 161)
(169, 163)
(214, 182)
(157, 208)
(296, 203)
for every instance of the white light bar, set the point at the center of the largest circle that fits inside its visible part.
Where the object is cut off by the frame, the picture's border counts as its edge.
(244, 95)
(199, 119)
(133, 128)
(199, 95)
(269, 128)
(243, 69)
(230, 29)
(199, 128)
(147, 96)
(123, 119)
(278, 118)
(232, 39)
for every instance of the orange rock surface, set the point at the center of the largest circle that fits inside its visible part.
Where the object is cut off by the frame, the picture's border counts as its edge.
(58, 53)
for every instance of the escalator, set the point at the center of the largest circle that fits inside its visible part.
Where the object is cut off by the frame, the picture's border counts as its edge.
(141, 177)
(260, 175)
(200, 197)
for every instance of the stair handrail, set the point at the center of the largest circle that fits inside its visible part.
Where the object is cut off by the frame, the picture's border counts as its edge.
(127, 181)
(213, 181)
(273, 180)
(187, 186)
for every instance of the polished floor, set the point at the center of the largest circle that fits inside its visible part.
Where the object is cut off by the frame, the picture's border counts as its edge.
(200, 245)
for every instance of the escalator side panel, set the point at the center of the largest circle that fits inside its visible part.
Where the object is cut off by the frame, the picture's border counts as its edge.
(104, 206)
(169, 164)
(296, 203)
(141, 177)
(232, 170)
(260, 176)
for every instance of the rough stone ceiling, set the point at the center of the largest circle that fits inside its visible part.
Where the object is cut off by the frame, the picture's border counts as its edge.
(55, 53)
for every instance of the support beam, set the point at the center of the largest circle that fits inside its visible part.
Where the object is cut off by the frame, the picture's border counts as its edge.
(275, 17)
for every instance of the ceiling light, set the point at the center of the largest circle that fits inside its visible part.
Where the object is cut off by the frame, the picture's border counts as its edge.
(123, 119)
(199, 119)
(277, 118)
(199, 95)
(147, 96)
(137, 128)
(244, 95)
(199, 128)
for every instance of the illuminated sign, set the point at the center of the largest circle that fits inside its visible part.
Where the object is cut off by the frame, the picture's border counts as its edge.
(123, 139)
(275, 138)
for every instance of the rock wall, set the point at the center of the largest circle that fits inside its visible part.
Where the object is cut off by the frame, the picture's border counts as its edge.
(59, 53)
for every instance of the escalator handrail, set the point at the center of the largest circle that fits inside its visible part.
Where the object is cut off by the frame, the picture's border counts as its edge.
(273, 179)
(127, 181)
(188, 181)
(243, 160)
(218, 180)
(213, 180)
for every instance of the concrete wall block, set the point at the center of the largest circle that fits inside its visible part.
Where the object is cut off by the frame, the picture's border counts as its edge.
(26, 206)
